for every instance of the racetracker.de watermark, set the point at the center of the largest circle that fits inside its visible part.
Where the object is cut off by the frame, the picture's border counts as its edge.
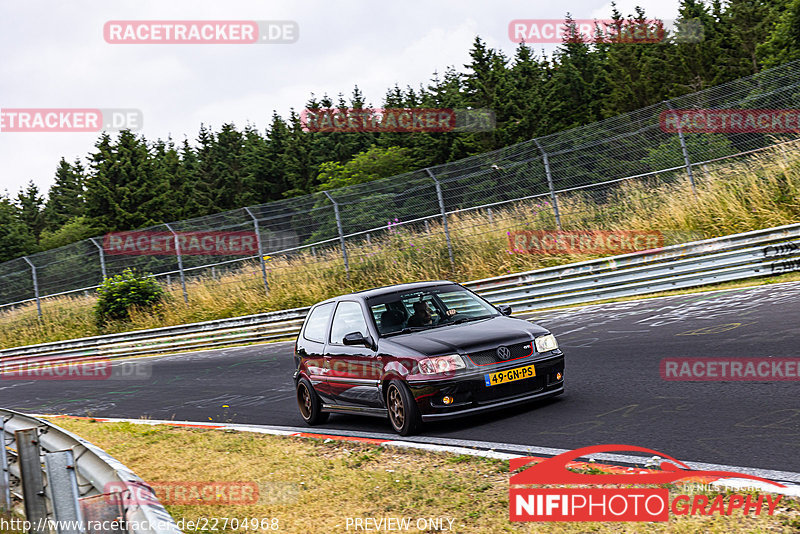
(404, 120)
(188, 492)
(74, 120)
(540, 31)
(730, 120)
(583, 241)
(730, 369)
(201, 31)
(89, 369)
(147, 243)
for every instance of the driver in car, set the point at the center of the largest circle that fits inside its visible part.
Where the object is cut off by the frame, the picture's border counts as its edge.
(422, 314)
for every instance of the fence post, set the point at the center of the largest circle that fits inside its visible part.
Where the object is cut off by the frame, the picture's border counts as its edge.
(341, 233)
(444, 217)
(35, 285)
(180, 263)
(30, 466)
(102, 257)
(260, 250)
(5, 482)
(553, 197)
(62, 486)
(685, 151)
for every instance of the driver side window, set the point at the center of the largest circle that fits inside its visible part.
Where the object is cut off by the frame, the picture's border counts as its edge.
(347, 319)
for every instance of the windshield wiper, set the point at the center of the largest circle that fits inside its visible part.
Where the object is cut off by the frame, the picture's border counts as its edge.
(406, 330)
(466, 319)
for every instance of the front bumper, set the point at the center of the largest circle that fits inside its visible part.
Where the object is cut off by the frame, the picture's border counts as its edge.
(471, 394)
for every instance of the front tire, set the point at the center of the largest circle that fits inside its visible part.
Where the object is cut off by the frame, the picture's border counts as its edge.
(309, 403)
(403, 411)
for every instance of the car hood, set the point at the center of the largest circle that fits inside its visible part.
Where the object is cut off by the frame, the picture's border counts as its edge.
(464, 338)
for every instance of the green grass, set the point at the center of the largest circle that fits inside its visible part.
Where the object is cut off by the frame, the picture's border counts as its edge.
(758, 192)
(322, 484)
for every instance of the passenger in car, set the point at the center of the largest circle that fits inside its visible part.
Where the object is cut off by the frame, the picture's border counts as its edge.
(391, 320)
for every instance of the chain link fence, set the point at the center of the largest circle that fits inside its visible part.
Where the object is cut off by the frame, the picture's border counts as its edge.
(534, 178)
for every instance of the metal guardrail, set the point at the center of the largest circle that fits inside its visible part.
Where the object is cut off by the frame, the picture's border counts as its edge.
(62, 482)
(210, 334)
(734, 257)
(711, 261)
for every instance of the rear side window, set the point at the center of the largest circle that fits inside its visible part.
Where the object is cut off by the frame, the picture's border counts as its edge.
(317, 323)
(348, 319)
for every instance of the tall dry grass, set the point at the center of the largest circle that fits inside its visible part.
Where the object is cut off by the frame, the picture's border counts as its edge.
(758, 192)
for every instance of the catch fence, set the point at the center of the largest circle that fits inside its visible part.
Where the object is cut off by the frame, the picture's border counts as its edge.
(538, 181)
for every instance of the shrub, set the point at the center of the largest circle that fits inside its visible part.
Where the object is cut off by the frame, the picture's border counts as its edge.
(118, 294)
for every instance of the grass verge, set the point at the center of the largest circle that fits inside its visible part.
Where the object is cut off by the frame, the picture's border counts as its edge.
(336, 480)
(761, 191)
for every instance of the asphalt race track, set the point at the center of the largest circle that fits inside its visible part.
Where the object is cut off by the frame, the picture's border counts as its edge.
(615, 393)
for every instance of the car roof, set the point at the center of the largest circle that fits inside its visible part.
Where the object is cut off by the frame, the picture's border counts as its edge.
(377, 291)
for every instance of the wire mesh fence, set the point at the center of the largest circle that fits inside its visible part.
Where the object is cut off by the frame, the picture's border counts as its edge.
(524, 185)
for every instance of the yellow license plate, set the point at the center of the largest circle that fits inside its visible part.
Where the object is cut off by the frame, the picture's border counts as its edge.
(501, 377)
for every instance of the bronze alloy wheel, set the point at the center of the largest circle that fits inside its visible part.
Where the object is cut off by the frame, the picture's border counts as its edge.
(309, 403)
(403, 411)
(304, 401)
(396, 410)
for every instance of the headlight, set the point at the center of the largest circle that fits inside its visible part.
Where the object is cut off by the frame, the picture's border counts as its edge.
(546, 343)
(441, 364)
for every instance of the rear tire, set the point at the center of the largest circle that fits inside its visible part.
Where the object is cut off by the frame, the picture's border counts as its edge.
(309, 403)
(403, 411)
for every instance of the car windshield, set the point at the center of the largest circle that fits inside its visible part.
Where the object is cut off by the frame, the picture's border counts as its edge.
(421, 309)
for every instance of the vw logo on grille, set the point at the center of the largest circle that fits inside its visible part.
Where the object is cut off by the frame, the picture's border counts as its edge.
(503, 353)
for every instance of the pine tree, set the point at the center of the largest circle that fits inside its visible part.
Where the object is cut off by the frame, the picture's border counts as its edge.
(749, 23)
(783, 43)
(300, 175)
(635, 70)
(169, 182)
(698, 65)
(256, 167)
(572, 94)
(15, 238)
(31, 205)
(227, 180)
(277, 139)
(201, 199)
(122, 192)
(524, 109)
(65, 199)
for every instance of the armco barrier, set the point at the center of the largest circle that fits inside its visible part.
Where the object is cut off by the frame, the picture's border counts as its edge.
(711, 261)
(734, 257)
(70, 487)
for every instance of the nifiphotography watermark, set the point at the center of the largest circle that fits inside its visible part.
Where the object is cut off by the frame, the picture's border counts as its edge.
(610, 497)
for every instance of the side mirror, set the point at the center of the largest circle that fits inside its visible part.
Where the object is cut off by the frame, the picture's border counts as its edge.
(505, 309)
(356, 338)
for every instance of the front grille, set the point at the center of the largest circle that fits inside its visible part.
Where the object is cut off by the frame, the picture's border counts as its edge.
(488, 357)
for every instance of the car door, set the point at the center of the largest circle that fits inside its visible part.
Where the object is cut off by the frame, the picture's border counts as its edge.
(311, 348)
(354, 371)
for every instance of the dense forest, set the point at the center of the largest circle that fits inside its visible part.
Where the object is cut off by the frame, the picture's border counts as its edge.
(130, 182)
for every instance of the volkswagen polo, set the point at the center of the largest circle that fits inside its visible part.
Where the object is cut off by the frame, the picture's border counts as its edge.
(420, 352)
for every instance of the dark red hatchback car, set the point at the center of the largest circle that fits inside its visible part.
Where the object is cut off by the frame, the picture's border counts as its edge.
(420, 352)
